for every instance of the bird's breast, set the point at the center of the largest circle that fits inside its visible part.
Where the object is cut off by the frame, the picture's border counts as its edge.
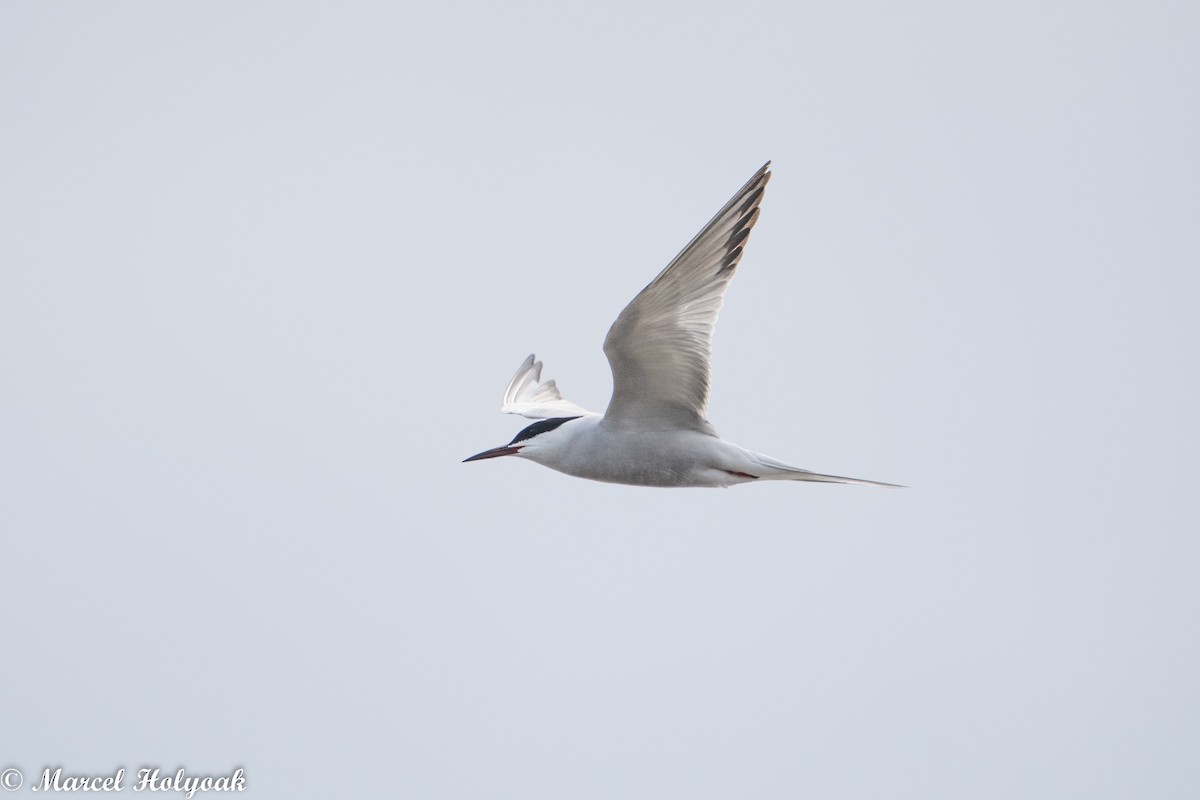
(646, 458)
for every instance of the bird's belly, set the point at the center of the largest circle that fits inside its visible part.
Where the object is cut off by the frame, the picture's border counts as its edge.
(647, 459)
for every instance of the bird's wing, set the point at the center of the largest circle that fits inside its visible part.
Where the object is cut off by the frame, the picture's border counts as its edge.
(528, 396)
(660, 345)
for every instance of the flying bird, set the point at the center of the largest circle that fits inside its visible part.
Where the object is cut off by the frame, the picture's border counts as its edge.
(654, 431)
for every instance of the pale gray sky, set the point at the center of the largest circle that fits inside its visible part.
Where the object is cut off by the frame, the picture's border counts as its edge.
(266, 268)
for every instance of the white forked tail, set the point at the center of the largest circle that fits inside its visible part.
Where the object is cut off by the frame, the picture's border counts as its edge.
(773, 470)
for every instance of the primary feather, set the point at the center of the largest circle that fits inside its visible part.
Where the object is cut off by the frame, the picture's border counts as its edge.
(660, 345)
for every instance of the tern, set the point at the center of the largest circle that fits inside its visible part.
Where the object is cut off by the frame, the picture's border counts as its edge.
(654, 431)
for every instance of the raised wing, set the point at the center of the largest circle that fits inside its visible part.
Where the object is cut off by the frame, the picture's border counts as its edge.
(528, 396)
(660, 345)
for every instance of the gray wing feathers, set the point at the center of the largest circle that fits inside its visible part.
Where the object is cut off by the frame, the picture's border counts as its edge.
(660, 345)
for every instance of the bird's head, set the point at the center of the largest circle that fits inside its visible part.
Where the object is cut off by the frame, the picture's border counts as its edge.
(539, 439)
